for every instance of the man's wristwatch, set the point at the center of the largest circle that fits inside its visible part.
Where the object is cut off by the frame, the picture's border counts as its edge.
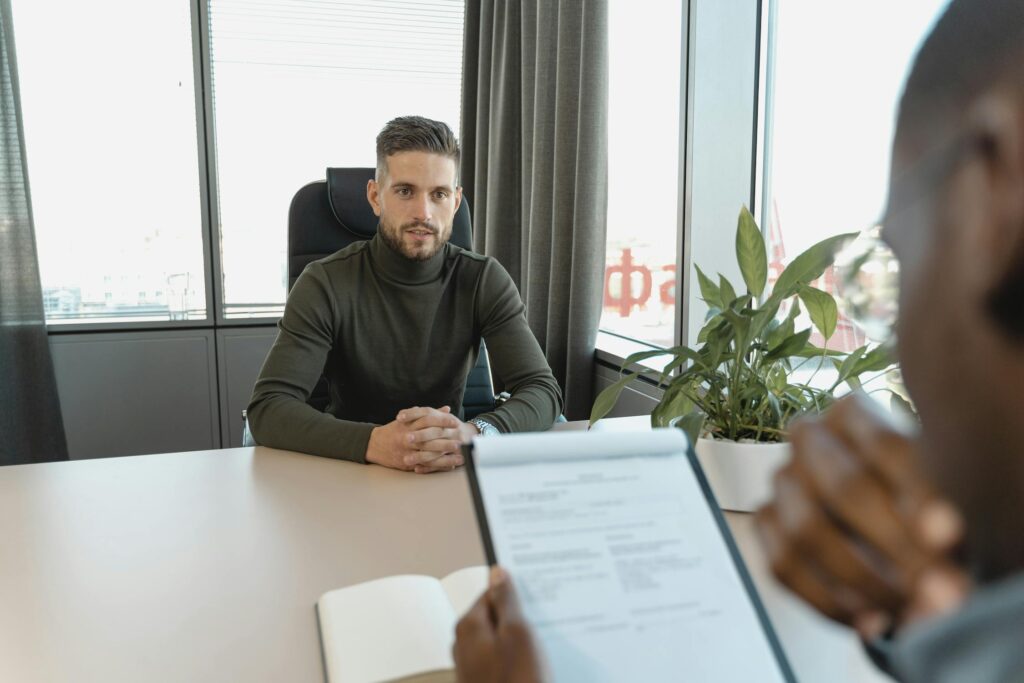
(485, 427)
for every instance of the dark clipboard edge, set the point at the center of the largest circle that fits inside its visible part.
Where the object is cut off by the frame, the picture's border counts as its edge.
(478, 504)
(716, 512)
(741, 566)
(320, 635)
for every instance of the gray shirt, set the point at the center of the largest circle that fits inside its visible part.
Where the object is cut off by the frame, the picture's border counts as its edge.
(983, 642)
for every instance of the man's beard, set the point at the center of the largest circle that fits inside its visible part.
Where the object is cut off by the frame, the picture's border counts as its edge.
(394, 237)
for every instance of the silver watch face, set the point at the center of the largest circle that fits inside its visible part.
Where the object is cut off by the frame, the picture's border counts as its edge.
(486, 428)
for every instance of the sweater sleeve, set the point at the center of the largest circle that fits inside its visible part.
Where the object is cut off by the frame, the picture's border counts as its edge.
(516, 357)
(278, 414)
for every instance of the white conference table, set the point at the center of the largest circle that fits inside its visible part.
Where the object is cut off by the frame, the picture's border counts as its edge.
(205, 566)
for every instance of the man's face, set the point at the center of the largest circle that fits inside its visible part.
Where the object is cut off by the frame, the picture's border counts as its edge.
(416, 201)
(949, 230)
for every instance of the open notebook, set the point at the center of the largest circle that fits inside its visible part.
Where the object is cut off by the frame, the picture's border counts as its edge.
(624, 565)
(399, 628)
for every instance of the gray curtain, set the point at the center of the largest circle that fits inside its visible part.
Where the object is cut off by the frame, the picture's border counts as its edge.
(535, 166)
(31, 429)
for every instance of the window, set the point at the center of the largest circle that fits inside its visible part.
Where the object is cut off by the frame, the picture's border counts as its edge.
(836, 77)
(110, 136)
(302, 85)
(643, 172)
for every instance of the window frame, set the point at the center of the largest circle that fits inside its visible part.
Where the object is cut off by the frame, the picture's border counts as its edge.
(199, 57)
(707, 58)
(751, 64)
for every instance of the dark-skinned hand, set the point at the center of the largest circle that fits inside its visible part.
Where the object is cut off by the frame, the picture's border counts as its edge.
(493, 642)
(855, 529)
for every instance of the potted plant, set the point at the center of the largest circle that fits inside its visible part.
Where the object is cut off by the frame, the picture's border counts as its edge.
(734, 393)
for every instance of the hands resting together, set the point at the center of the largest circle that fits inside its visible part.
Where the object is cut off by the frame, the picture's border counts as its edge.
(420, 440)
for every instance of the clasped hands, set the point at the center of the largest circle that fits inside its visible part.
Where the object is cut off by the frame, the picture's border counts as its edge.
(855, 528)
(420, 440)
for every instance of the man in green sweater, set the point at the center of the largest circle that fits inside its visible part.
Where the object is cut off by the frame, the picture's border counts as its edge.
(394, 324)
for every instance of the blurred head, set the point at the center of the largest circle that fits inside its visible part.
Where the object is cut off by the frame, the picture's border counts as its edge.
(415, 192)
(956, 222)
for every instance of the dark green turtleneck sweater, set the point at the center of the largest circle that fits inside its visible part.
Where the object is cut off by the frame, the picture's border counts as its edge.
(390, 333)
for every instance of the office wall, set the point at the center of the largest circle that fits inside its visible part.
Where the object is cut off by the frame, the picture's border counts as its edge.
(132, 393)
(129, 393)
(638, 398)
(240, 352)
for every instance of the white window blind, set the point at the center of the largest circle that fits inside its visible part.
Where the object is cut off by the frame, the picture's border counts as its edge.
(301, 85)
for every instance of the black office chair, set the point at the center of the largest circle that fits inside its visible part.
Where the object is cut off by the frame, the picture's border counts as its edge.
(328, 215)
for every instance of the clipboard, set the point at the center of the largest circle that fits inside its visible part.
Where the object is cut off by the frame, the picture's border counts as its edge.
(487, 538)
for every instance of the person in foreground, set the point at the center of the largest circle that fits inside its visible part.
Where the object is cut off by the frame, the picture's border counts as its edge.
(394, 324)
(911, 536)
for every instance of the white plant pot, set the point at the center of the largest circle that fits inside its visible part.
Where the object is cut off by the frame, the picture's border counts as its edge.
(740, 474)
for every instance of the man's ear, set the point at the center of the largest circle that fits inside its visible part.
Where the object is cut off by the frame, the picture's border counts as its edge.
(373, 196)
(996, 122)
(458, 199)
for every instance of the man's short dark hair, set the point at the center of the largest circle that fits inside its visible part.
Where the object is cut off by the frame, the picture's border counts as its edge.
(974, 46)
(415, 134)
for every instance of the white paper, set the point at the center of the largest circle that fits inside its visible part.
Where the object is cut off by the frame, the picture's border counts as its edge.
(463, 587)
(618, 560)
(550, 447)
(386, 629)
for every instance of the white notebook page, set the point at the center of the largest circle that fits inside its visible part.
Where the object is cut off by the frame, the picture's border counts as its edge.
(618, 559)
(386, 629)
(464, 587)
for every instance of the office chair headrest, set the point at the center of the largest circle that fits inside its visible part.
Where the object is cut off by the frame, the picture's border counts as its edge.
(346, 192)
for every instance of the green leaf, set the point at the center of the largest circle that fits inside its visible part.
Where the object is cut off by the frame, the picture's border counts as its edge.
(763, 318)
(755, 391)
(683, 354)
(691, 424)
(822, 309)
(789, 346)
(674, 403)
(786, 328)
(751, 253)
(727, 290)
(702, 336)
(812, 351)
(718, 341)
(899, 404)
(778, 378)
(849, 363)
(644, 355)
(741, 328)
(607, 399)
(875, 360)
(776, 407)
(708, 290)
(809, 265)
